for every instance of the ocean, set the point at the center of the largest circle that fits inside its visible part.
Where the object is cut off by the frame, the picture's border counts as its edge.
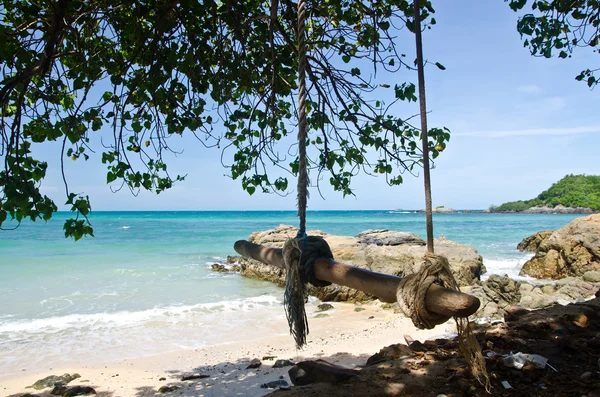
(143, 285)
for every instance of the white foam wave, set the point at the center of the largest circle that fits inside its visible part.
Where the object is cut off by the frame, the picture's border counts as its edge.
(510, 268)
(126, 227)
(171, 314)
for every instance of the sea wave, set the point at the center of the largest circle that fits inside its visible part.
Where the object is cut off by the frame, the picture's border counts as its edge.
(510, 268)
(169, 314)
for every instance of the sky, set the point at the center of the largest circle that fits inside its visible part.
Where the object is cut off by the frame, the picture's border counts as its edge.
(519, 123)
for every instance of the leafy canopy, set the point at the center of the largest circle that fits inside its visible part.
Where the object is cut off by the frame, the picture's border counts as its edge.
(570, 191)
(134, 74)
(559, 27)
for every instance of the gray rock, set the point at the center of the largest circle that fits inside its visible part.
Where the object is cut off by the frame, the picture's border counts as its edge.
(52, 380)
(79, 391)
(59, 390)
(586, 376)
(282, 363)
(275, 384)
(502, 290)
(322, 315)
(255, 363)
(324, 307)
(387, 237)
(592, 276)
(167, 389)
(308, 372)
(193, 376)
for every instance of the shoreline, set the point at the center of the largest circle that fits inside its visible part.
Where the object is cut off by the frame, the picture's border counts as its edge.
(345, 337)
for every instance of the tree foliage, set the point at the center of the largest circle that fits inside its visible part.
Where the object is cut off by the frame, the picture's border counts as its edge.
(557, 28)
(135, 74)
(570, 191)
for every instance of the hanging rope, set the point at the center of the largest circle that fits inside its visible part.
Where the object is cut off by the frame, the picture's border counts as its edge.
(302, 171)
(298, 267)
(411, 294)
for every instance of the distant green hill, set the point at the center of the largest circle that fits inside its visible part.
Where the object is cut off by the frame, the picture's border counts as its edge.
(571, 191)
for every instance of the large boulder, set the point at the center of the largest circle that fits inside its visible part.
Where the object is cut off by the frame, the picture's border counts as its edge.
(570, 251)
(381, 251)
(532, 243)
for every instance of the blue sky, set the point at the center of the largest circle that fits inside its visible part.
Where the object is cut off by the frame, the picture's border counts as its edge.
(518, 123)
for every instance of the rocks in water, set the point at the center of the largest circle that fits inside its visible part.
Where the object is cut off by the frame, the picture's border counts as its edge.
(381, 251)
(531, 243)
(387, 237)
(52, 380)
(559, 209)
(392, 352)
(254, 363)
(324, 306)
(193, 376)
(275, 384)
(308, 372)
(573, 250)
(167, 389)
(219, 267)
(282, 363)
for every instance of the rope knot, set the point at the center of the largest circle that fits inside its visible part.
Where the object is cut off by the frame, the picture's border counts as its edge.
(299, 265)
(412, 290)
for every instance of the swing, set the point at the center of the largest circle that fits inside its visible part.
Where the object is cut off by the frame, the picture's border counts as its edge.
(429, 297)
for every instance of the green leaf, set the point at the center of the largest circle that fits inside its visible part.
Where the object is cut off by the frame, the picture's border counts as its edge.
(346, 58)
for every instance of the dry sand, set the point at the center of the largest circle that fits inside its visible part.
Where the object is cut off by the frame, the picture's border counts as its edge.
(345, 337)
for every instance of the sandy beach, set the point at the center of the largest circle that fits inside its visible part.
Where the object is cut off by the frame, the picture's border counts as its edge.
(345, 336)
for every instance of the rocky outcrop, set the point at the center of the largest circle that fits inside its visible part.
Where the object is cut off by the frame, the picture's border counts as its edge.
(533, 242)
(570, 251)
(500, 292)
(382, 251)
(52, 380)
(559, 209)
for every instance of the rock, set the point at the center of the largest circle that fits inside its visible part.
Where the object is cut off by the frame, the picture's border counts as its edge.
(274, 384)
(359, 309)
(559, 209)
(52, 380)
(404, 258)
(387, 237)
(59, 390)
(502, 290)
(282, 363)
(79, 391)
(167, 389)
(307, 372)
(592, 276)
(217, 267)
(531, 243)
(573, 250)
(193, 376)
(392, 352)
(586, 376)
(162, 379)
(255, 363)
(322, 315)
(324, 306)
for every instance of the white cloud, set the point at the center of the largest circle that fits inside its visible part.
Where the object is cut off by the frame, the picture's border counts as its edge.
(529, 89)
(535, 131)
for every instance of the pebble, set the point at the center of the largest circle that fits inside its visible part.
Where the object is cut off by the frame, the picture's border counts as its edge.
(586, 376)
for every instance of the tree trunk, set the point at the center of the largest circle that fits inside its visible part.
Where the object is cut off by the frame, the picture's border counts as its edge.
(423, 111)
(384, 286)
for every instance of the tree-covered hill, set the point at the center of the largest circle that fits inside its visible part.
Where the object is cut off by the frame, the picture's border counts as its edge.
(571, 191)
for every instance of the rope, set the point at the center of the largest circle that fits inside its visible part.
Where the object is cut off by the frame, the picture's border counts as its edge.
(299, 265)
(411, 294)
(302, 171)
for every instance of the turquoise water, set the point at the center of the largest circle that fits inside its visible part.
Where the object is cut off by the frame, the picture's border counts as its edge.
(143, 284)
